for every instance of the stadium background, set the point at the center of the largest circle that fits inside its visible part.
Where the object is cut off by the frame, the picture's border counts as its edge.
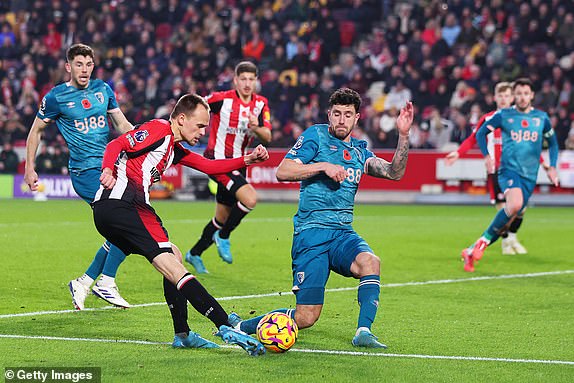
(445, 56)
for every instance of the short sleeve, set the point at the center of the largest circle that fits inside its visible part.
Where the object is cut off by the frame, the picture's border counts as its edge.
(306, 147)
(112, 103)
(49, 108)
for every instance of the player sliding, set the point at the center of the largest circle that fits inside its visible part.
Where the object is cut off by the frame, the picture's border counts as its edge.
(124, 216)
(330, 163)
(523, 129)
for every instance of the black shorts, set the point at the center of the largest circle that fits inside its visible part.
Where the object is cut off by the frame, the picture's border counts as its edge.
(134, 230)
(227, 185)
(496, 194)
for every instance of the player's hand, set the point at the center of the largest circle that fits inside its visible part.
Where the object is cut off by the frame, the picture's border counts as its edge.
(451, 158)
(405, 119)
(489, 164)
(107, 178)
(259, 154)
(31, 179)
(553, 175)
(335, 172)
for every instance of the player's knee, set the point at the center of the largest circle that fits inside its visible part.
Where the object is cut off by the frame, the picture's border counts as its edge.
(305, 318)
(249, 199)
(513, 208)
(368, 264)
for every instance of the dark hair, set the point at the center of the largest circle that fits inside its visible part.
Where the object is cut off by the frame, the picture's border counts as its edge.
(187, 104)
(245, 67)
(79, 50)
(522, 81)
(345, 96)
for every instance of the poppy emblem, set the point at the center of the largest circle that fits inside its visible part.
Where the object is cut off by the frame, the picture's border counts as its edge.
(346, 155)
(524, 123)
(86, 103)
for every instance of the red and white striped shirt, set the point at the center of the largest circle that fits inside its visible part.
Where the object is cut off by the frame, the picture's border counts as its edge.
(229, 129)
(139, 158)
(494, 140)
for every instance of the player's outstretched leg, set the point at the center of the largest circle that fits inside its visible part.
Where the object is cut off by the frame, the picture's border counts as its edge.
(466, 256)
(368, 297)
(249, 326)
(234, 336)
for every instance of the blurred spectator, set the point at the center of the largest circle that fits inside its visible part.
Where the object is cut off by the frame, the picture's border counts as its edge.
(9, 160)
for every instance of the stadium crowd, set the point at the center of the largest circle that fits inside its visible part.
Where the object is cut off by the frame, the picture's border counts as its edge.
(444, 56)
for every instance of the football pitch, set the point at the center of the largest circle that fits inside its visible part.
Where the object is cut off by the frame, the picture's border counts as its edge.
(510, 321)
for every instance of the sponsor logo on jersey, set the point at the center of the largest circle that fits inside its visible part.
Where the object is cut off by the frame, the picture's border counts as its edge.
(71, 104)
(346, 155)
(141, 135)
(300, 276)
(86, 103)
(99, 96)
(299, 143)
(131, 140)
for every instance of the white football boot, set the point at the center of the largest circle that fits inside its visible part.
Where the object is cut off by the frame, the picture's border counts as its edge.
(507, 248)
(79, 293)
(110, 294)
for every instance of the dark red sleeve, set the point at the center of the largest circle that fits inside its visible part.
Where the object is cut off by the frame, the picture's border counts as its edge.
(209, 167)
(470, 141)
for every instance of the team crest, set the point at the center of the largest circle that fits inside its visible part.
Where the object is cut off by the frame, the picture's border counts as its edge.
(99, 97)
(536, 121)
(346, 155)
(141, 135)
(300, 276)
(86, 103)
(299, 143)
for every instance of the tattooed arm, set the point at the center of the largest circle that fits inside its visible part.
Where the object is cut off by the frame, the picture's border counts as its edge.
(378, 167)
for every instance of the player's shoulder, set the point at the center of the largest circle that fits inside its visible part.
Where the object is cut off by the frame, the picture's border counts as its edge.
(220, 96)
(316, 131)
(58, 90)
(258, 97)
(358, 143)
(539, 113)
(156, 123)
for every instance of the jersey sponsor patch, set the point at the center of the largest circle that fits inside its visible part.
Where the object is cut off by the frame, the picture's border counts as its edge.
(131, 140)
(86, 103)
(141, 135)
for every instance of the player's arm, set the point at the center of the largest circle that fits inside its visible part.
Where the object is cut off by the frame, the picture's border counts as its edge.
(261, 125)
(295, 170)
(32, 143)
(119, 121)
(481, 134)
(466, 145)
(552, 151)
(394, 170)
(211, 167)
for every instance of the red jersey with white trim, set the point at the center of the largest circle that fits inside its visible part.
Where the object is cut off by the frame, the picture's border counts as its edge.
(230, 135)
(139, 158)
(494, 140)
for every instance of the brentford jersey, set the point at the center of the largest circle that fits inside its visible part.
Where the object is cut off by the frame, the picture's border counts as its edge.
(139, 158)
(229, 134)
(494, 140)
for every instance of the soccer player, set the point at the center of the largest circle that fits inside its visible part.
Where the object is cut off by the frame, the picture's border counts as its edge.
(330, 163)
(504, 99)
(239, 116)
(80, 108)
(124, 216)
(523, 129)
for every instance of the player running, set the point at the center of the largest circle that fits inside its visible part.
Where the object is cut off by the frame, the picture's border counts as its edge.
(123, 214)
(80, 109)
(503, 99)
(523, 129)
(239, 116)
(330, 163)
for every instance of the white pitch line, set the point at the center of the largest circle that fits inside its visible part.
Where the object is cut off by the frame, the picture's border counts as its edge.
(307, 351)
(237, 297)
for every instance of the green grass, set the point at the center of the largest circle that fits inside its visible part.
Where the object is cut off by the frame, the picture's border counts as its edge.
(44, 245)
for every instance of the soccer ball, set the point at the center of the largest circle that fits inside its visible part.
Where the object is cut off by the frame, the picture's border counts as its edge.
(277, 332)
